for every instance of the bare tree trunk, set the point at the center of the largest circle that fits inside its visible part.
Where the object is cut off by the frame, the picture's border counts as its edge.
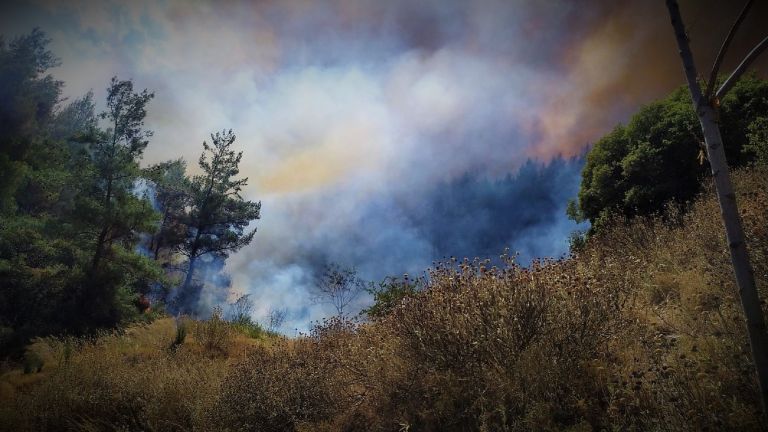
(189, 275)
(192, 261)
(734, 232)
(157, 238)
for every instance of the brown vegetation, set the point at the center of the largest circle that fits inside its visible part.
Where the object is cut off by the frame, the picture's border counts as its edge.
(641, 330)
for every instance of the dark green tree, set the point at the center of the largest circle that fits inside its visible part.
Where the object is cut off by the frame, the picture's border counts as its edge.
(658, 157)
(171, 196)
(116, 154)
(28, 96)
(757, 147)
(34, 255)
(218, 218)
(73, 122)
(111, 213)
(70, 212)
(43, 159)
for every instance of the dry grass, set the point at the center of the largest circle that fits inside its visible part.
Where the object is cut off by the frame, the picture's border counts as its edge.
(641, 331)
(130, 381)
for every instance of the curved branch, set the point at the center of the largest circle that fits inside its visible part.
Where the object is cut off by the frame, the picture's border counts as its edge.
(723, 49)
(742, 68)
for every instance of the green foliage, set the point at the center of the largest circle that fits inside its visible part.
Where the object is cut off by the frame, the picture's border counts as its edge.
(758, 140)
(72, 211)
(577, 241)
(218, 217)
(28, 97)
(74, 121)
(172, 194)
(111, 214)
(658, 158)
(73, 214)
(746, 103)
(390, 293)
(249, 328)
(240, 317)
(69, 216)
(112, 206)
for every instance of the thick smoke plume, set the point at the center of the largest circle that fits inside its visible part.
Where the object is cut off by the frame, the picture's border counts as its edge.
(381, 134)
(404, 231)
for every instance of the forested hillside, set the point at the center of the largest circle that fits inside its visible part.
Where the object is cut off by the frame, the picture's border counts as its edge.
(641, 330)
(89, 238)
(102, 260)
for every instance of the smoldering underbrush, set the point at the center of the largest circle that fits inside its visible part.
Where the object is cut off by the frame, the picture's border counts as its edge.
(641, 330)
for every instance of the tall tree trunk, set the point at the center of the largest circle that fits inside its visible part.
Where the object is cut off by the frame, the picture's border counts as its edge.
(734, 232)
(190, 273)
(192, 261)
(156, 242)
(99, 248)
(105, 229)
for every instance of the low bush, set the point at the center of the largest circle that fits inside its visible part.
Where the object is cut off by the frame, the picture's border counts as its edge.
(214, 334)
(117, 382)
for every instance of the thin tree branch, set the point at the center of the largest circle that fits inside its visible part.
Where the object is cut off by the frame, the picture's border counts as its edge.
(742, 68)
(723, 49)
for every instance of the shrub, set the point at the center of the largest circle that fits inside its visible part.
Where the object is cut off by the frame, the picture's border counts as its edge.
(32, 362)
(492, 347)
(118, 382)
(390, 293)
(247, 327)
(181, 333)
(214, 334)
(278, 389)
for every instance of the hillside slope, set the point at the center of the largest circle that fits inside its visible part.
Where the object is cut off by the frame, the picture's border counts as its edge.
(641, 330)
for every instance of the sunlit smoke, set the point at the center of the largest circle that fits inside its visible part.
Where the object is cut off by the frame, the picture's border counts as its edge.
(380, 134)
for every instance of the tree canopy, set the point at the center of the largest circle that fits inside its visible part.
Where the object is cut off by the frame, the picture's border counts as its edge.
(218, 216)
(86, 233)
(658, 158)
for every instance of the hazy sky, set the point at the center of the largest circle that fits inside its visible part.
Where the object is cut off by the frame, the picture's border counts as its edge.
(352, 113)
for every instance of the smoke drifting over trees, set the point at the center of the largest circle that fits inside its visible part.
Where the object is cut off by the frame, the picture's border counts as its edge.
(446, 242)
(404, 231)
(355, 121)
(82, 225)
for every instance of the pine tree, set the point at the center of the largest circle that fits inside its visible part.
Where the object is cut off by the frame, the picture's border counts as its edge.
(112, 214)
(116, 154)
(28, 97)
(219, 216)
